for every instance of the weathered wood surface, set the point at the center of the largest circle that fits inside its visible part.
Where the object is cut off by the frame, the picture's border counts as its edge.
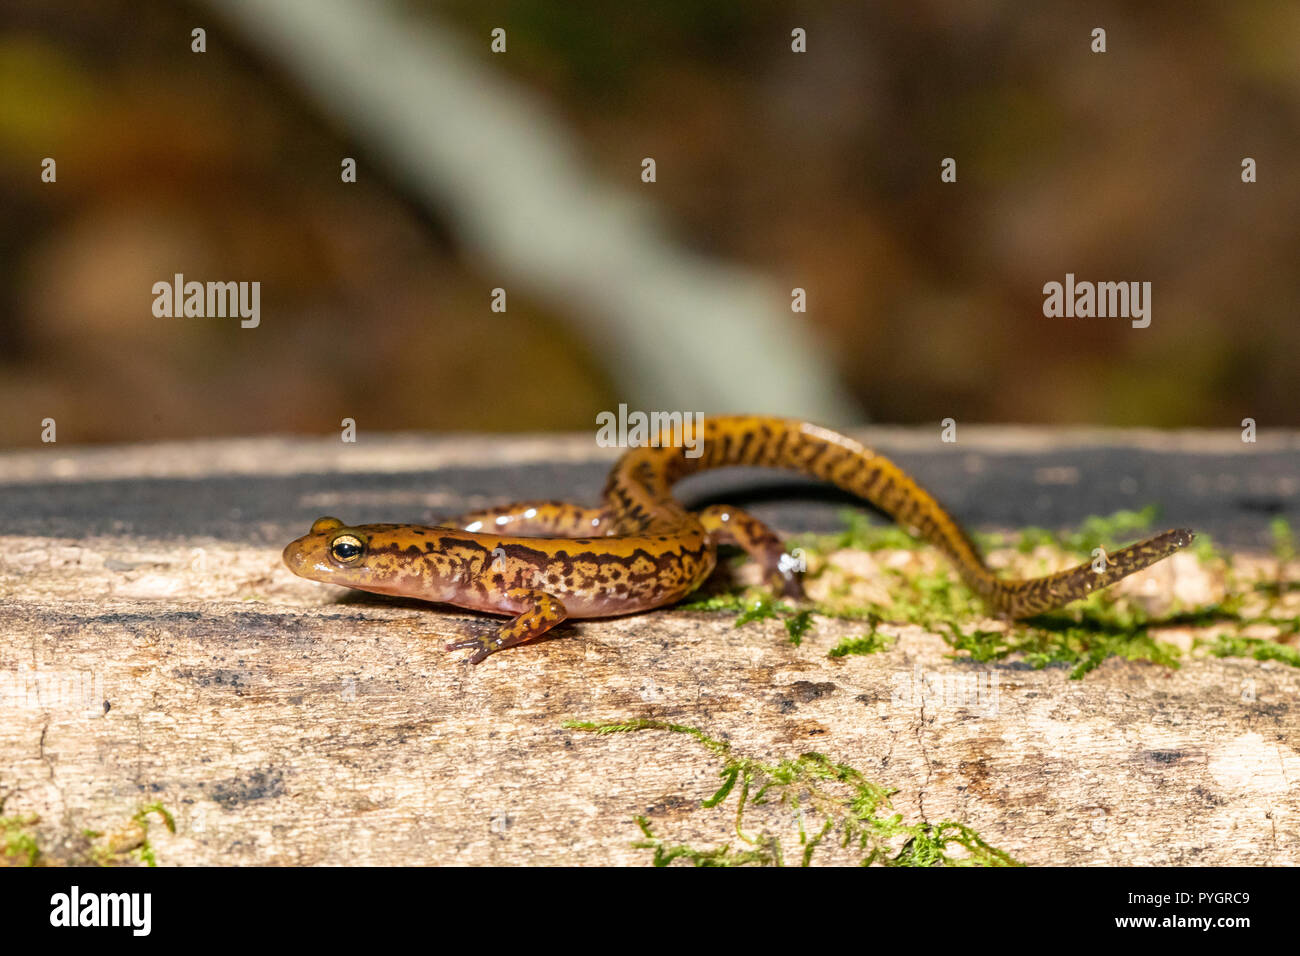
(283, 722)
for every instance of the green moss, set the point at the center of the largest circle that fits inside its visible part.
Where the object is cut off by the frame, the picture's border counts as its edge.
(729, 601)
(665, 853)
(797, 626)
(1080, 640)
(90, 848)
(1228, 645)
(1205, 549)
(870, 643)
(1108, 531)
(144, 852)
(19, 843)
(1095, 531)
(929, 596)
(1283, 539)
(757, 606)
(630, 726)
(834, 797)
(761, 609)
(861, 534)
(1079, 637)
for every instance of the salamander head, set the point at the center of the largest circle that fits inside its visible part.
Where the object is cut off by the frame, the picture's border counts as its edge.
(330, 552)
(362, 557)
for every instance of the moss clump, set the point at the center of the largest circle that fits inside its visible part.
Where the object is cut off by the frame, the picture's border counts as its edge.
(1228, 645)
(757, 606)
(870, 643)
(144, 852)
(797, 625)
(828, 799)
(17, 843)
(728, 601)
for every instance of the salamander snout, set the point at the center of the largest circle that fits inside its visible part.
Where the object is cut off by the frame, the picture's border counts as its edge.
(295, 556)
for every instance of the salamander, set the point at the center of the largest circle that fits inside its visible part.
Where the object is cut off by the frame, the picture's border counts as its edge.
(543, 562)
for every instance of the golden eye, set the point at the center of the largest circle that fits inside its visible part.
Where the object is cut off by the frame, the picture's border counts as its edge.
(347, 548)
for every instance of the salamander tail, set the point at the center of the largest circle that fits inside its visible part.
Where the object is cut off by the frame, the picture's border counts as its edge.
(1025, 598)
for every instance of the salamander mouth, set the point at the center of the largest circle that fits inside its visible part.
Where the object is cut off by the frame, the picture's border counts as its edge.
(298, 558)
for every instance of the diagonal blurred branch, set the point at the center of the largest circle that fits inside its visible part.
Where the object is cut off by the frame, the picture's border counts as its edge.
(676, 330)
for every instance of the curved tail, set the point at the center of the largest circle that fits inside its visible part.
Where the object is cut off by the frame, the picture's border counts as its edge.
(642, 480)
(1029, 596)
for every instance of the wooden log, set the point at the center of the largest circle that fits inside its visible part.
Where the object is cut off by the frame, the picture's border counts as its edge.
(155, 650)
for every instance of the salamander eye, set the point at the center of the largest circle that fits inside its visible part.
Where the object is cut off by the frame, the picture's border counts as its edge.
(347, 548)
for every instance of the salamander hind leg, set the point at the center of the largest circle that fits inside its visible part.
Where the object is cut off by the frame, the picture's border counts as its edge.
(538, 613)
(728, 525)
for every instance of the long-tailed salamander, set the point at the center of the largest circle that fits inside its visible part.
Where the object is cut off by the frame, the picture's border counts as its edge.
(544, 561)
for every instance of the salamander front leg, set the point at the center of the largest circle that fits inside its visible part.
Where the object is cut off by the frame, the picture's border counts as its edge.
(538, 613)
(728, 525)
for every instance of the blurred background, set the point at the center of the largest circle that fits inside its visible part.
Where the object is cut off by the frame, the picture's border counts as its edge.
(522, 170)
